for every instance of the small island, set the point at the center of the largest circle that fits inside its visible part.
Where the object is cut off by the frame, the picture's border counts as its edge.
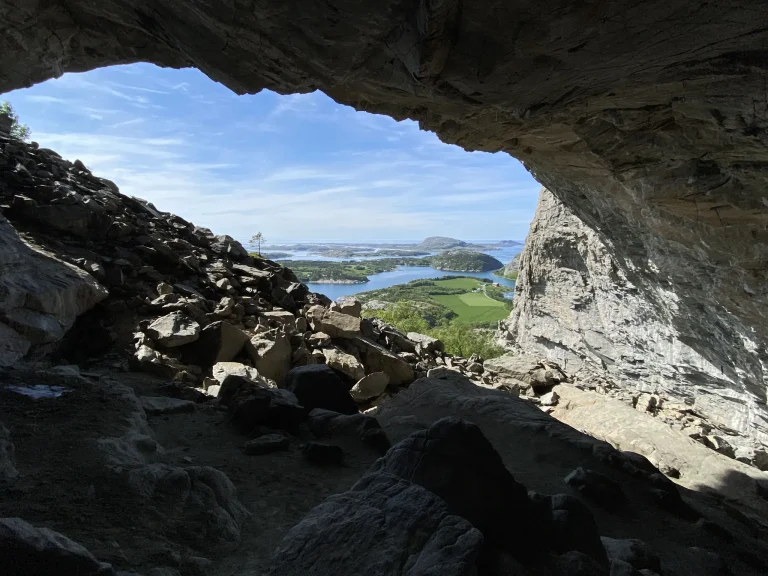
(465, 261)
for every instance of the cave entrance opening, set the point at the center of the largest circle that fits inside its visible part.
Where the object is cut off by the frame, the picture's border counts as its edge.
(298, 168)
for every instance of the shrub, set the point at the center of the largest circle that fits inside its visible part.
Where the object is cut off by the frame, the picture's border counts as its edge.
(18, 130)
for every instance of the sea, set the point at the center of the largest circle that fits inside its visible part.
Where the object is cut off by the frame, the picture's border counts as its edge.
(401, 274)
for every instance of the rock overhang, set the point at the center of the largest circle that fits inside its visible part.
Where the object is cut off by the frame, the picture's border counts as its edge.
(648, 120)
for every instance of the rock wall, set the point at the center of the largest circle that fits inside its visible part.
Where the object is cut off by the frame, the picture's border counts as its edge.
(584, 303)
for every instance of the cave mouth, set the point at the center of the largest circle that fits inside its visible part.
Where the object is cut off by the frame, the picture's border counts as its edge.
(298, 168)
(656, 142)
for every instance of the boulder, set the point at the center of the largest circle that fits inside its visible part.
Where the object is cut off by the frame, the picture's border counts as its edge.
(266, 444)
(272, 358)
(597, 487)
(376, 358)
(174, 329)
(328, 424)
(453, 460)
(221, 370)
(347, 305)
(218, 342)
(40, 295)
(26, 550)
(335, 324)
(573, 528)
(383, 526)
(370, 386)
(538, 374)
(159, 405)
(633, 552)
(318, 386)
(549, 399)
(251, 405)
(425, 344)
(201, 502)
(279, 318)
(647, 403)
(344, 362)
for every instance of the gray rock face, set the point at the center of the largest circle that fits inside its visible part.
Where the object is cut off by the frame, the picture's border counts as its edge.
(40, 296)
(657, 144)
(393, 527)
(582, 302)
(25, 549)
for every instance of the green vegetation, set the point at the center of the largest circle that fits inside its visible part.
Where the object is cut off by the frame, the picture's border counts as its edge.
(347, 272)
(18, 130)
(458, 310)
(357, 271)
(256, 240)
(465, 261)
(459, 339)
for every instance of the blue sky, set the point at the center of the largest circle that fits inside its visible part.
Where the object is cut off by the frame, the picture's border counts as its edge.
(297, 168)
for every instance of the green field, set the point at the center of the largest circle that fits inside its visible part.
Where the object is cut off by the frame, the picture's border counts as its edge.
(474, 307)
(461, 311)
(464, 283)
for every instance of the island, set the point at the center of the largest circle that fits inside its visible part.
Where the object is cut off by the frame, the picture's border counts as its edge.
(465, 261)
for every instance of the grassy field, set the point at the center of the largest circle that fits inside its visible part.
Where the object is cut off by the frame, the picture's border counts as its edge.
(454, 299)
(474, 307)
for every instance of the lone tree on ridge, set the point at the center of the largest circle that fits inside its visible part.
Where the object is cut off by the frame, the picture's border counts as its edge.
(256, 240)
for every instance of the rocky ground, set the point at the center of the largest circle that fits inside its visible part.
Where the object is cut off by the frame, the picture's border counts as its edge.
(175, 406)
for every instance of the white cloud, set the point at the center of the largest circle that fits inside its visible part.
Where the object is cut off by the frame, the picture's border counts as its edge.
(297, 167)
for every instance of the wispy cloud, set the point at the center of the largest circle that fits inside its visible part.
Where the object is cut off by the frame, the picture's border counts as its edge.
(296, 167)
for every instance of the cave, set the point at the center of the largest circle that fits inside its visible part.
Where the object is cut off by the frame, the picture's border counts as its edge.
(645, 120)
(645, 267)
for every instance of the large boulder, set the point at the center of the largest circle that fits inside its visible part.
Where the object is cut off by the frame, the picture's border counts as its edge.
(318, 386)
(344, 362)
(335, 324)
(454, 460)
(26, 550)
(221, 370)
(174, 329)
(347, 305)
(272, 358)
(40, 295)
(376, 358)
(251, 405)
(538, 374)
(218, 342)
(371, 386)
(425, 344)
(383, 526)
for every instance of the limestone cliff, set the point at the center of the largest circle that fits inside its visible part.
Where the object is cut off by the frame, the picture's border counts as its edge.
(582, 302)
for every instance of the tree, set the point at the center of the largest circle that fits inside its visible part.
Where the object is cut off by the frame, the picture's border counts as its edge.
(18, 130)
(257, 239)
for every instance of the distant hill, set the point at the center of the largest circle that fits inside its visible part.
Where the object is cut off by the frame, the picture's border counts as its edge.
(465, 261)
(511, 243)
(440, 243)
